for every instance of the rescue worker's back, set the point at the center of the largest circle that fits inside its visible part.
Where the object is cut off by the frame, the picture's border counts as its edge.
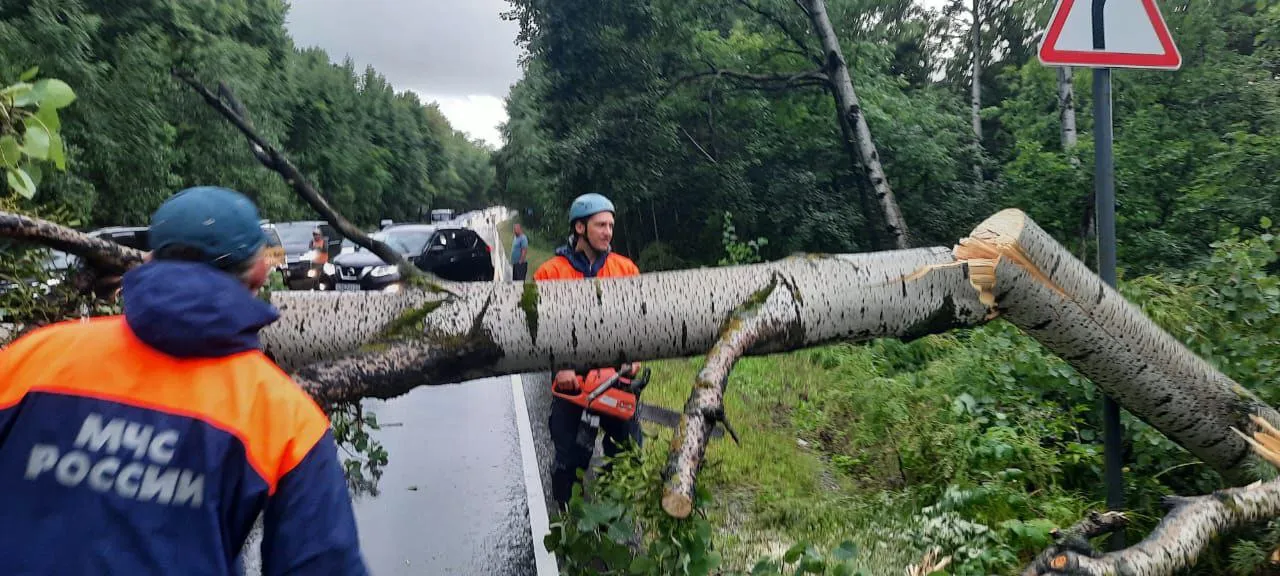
(148, 443)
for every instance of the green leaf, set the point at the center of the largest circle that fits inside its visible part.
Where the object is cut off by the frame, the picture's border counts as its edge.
(54, 93)
(23, 94)
(1265, 222)
(845, 552)
(49, 117)
(793, 553)
(10, 152)
(29, 74)
(35, 142)
(56, 151)
(641, 565)
(33, 170)
(21, 183)
(765, 568)
(842, 570)
(620, 532)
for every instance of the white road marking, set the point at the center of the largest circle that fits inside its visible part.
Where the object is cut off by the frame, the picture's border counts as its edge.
(539, 524)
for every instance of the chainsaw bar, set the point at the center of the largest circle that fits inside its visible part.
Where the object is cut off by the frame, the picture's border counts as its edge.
(669, 418)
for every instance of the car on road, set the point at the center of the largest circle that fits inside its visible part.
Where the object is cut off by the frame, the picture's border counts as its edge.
(449, 252)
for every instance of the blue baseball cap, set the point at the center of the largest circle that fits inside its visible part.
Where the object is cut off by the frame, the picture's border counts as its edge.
(222, 223)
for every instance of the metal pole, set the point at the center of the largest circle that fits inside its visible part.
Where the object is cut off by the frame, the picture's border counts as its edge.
(1105, 194)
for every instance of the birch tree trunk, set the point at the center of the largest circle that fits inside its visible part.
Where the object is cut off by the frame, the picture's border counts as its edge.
(1067, 119)
(976, 83)
(1067, 107)
(847, 100)
(348, 346)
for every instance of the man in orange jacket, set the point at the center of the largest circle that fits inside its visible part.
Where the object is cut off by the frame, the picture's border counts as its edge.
(148, 443)
(586, 255)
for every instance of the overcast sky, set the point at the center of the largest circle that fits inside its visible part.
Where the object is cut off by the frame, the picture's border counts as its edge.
(459, 53)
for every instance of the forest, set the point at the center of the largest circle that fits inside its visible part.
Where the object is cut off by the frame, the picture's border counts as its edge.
(135, 134)
(722, 131)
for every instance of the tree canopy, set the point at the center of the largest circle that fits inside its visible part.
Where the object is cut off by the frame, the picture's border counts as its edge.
(136, 135)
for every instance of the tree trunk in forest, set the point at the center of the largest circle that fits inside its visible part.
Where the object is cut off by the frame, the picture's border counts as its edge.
(847, 101)
(976, 82)
(1067, 120)
(1067, 108)
(870, 212)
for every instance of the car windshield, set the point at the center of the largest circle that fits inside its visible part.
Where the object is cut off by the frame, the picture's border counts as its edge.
(295, 237)
(404, 241)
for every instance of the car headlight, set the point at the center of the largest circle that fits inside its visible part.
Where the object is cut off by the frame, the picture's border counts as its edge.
(381, 271)
(329, 269)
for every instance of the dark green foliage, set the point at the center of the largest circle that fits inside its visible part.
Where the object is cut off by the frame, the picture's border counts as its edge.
(135, 135)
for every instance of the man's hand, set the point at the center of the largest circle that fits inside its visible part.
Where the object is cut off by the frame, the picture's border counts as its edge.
(566, 382)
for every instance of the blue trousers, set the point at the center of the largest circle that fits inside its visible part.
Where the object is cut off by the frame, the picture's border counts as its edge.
(564, 421)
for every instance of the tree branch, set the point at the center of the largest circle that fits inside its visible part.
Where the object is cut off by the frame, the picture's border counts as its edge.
(768, 317)
(1181, 536)
(230, 108)
(754, 81)
(103, 255)
(698, 146)
(796, 39)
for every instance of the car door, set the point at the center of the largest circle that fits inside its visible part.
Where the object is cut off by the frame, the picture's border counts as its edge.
(476, 262)
(433, 255)
(448, 254)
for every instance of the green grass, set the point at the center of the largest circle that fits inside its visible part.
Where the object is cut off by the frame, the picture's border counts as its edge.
(771, 491)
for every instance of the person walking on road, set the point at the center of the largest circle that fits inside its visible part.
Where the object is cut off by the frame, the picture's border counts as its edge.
(149, 442)
(587, 254)
(519, 255)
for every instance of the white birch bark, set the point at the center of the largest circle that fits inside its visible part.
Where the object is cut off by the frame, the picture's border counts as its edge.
(847, 100)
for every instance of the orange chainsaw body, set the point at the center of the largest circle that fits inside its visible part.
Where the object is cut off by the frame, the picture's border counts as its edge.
(618, 399)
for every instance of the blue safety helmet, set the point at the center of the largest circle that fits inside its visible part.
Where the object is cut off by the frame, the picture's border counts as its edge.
(223, 224)
(587, 205)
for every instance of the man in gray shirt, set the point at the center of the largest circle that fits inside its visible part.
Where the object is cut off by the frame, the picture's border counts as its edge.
(519, 255)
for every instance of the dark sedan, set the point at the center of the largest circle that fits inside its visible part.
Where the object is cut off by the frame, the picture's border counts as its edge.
(451, 253)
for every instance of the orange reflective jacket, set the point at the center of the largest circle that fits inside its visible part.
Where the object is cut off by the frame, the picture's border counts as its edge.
(124, 459)
(559, 267)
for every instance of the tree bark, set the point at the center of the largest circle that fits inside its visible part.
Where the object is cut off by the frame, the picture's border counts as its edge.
(105, 256)
(837, 72)
(1067, 108)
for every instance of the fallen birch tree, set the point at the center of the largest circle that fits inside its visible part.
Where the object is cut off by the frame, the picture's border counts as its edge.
(342, 347)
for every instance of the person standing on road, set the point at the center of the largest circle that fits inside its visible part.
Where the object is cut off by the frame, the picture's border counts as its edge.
(519, 255)
(587, 254)
(149, 442)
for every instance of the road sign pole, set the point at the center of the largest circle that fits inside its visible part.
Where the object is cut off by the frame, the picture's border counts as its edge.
(1105, 200)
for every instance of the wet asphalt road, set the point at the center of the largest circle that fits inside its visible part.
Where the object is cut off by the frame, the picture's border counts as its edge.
(452, 494)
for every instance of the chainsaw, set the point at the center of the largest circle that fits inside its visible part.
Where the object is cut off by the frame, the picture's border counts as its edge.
(609, 392)
(616, 393)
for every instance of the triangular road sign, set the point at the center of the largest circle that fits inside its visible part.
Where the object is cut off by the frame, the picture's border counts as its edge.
(1109, 34)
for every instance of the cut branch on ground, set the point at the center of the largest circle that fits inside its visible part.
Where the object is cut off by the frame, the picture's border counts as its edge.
(763, 321)
(1175, 544)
